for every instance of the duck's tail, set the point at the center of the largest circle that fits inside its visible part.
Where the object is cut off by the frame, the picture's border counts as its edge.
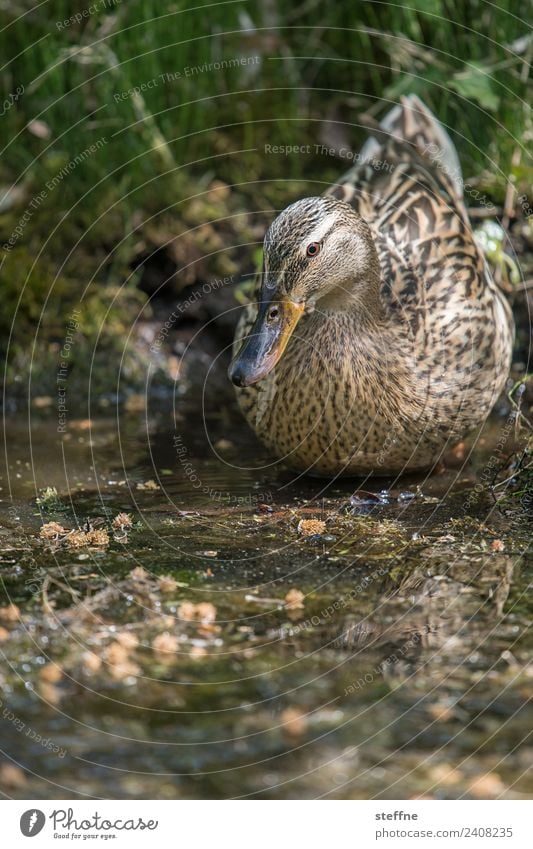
(411, 121)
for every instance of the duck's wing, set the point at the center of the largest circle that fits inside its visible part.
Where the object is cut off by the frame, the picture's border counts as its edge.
(436, 282)
(407, 184)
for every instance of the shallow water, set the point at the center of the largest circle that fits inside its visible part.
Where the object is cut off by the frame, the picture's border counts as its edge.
(400, 672)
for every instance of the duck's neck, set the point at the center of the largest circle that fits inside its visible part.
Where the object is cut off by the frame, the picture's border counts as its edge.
(366, 304)
(359, 295)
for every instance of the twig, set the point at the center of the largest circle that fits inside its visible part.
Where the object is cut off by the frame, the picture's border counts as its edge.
(47, 607)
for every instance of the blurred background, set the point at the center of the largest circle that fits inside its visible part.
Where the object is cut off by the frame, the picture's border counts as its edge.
(136, 164)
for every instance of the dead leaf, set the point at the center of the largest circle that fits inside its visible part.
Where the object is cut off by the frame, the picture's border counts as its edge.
(51, 673)
(11, 613)
(310, 527)
(294, 600)
(12, 776)
(166, 644)
(167, 584)
(294, 721)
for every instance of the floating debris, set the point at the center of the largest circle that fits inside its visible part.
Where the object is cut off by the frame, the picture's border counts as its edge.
(406, 495)
(11, 777)
(120, 665)
(148, 485)
(197, 652)
(51, 673)
(139, 574)
(167, 584)
(127, 640)
(362, 498)
(165, 644)
(52, 531)
(488, 786)
(224, 445)
(311, 527)
(186, 611)
(91, 662)
(97, 538)
(294, 600)
(294, 721)
(204, 612)
(76, 539)
(89, 536)
(122, 521)
(92, 538)
(11, 613)
(50, 501)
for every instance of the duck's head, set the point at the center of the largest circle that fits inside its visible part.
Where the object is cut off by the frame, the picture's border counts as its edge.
(318, 251)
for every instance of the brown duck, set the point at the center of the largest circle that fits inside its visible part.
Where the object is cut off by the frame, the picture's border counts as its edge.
(379, 338)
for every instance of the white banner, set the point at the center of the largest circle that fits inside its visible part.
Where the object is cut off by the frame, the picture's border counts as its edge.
(268, 824)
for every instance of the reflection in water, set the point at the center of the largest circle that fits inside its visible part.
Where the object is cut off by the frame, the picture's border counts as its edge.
(218, 651)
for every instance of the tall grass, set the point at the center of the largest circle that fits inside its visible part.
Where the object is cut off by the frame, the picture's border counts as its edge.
(216, 82)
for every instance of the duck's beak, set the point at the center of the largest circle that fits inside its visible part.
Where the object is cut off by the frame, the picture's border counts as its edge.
(267, 341)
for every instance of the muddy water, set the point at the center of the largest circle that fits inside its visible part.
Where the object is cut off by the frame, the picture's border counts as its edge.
(175, 662)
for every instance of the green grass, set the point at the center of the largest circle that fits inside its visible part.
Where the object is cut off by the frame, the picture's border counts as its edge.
(467, 61)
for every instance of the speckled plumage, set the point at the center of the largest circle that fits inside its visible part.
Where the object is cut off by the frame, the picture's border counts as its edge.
(406, 355)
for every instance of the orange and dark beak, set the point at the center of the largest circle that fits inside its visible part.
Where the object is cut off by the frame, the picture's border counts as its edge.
(267, 341)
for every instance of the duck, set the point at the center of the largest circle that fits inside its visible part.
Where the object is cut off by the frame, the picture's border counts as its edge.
(377, 338)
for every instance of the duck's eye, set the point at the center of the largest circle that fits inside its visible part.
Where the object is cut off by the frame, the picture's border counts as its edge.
(313, 249)
(273, 313)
